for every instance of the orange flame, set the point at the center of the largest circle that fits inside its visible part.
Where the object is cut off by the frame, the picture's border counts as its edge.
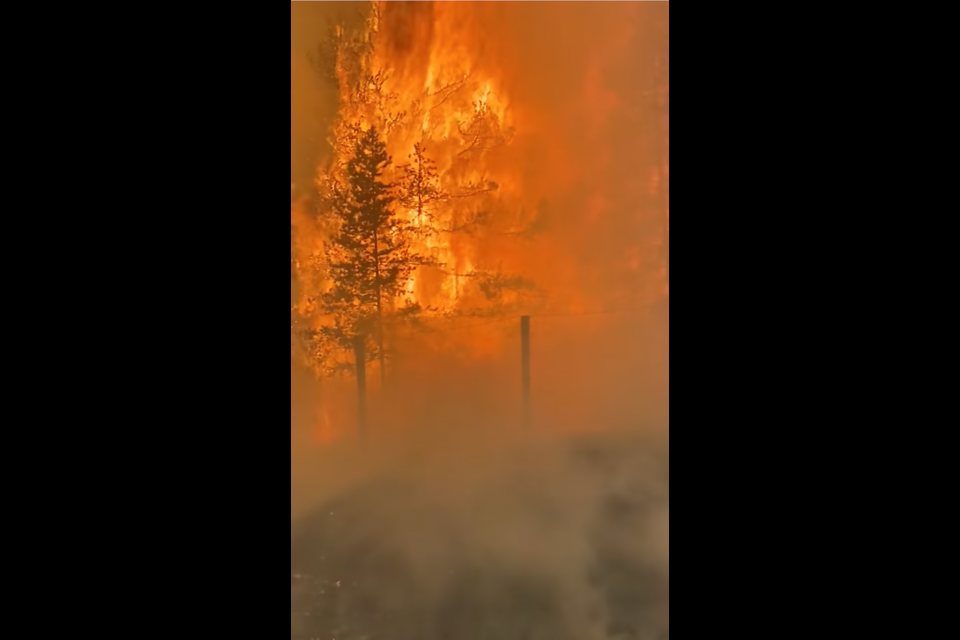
(562, 126)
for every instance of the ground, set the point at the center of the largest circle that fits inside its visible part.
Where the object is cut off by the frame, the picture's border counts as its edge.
(576, 550)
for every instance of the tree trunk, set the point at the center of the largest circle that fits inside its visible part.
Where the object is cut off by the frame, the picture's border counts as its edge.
(381, 356)
(360, 360)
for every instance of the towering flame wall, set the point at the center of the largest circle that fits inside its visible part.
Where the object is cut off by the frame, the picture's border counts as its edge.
(551, 120)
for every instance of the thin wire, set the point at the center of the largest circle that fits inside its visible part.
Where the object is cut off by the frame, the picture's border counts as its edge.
(584, 313)
(514, 318)
(471, 325)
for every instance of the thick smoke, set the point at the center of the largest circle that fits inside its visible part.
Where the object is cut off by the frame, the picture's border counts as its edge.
(459, 524)
(565, 539)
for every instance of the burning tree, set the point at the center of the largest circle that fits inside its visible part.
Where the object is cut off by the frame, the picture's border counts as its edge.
(420, 190)
(368, 258)
(441, 204)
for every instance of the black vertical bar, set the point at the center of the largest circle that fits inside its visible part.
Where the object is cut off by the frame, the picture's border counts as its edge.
(525, 355)
(360, 358)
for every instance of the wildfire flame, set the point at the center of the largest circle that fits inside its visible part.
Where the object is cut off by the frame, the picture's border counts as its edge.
(545, 154)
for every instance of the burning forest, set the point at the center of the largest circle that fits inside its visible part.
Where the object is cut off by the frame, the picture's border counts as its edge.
(469, 165)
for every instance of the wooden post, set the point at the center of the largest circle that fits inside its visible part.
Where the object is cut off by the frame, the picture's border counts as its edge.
(360, 359)
(525, 357)
(382, 357)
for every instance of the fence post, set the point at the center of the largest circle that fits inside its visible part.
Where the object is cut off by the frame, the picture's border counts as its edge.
(360, 360)
(525, 357)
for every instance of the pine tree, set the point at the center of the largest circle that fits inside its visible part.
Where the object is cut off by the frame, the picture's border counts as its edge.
(369, 260)
(421, 189)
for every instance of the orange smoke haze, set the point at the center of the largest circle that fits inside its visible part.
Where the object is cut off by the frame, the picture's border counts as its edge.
(567, 90)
